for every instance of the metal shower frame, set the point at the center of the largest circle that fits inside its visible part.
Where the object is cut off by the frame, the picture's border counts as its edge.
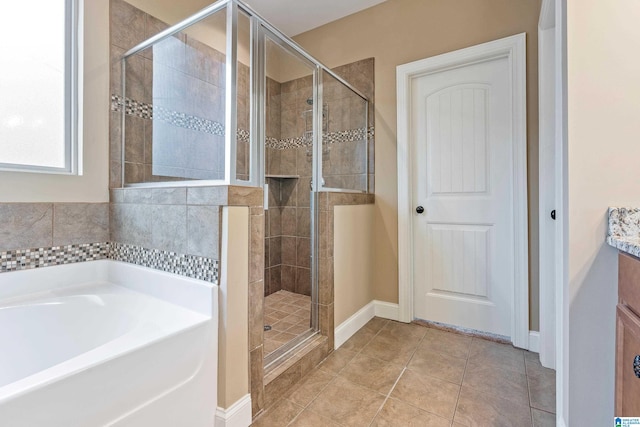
(259, 26)
(260, 30)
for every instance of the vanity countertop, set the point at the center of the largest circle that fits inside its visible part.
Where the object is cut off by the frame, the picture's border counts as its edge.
(623, 232)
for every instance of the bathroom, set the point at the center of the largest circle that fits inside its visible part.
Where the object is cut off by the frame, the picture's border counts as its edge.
(259, 155)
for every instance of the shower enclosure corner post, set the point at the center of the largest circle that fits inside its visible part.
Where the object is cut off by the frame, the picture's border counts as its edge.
(231, 95)
(258, 102)
(367, 120)
(318, 184)
(122, 101)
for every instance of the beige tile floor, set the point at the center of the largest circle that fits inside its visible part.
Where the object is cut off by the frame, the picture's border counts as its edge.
(394, 374)
(288, 314)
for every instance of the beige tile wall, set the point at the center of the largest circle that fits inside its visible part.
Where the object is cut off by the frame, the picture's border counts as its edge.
(42, 225)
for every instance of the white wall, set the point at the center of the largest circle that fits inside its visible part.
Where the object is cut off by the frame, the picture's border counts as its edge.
(352, 259)
(603, 87)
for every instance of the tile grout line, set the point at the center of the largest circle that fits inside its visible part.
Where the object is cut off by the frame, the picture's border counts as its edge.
(464, 373)
(388, 396)
(330, 382)
(405, 367)
(526, 375)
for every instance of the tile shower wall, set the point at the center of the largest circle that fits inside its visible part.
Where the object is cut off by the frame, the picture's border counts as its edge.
(175, 114)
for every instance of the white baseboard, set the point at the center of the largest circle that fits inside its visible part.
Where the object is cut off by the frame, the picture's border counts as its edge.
(534, 341)
(236, 415)
(386, 310)
(346, 329)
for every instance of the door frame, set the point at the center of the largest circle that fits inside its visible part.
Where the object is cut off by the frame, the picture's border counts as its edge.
(553, 15)
(548, 184)
(514, 49)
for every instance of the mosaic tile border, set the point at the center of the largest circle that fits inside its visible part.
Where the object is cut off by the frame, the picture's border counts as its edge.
(25, 259)
(196, 267)
(187, 121)
(174, 118)
(339, 137)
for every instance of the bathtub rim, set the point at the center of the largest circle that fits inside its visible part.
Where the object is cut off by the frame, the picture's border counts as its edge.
(202, 299)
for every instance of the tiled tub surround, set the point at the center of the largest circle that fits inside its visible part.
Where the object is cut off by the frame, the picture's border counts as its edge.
(624, 230)
(25, 259)
(42, 234)
(35, 235)
(188, 220)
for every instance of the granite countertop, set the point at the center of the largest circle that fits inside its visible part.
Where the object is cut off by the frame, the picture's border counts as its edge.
(624, 230)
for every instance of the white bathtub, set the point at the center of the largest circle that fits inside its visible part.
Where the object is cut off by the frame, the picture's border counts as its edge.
(106, 343)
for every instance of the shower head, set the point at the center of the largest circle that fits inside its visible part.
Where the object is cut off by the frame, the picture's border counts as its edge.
(310, 100)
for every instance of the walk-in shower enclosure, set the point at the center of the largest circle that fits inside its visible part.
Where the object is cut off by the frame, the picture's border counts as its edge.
(206, 90)
(224, 98)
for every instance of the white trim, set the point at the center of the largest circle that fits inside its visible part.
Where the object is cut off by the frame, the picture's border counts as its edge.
(562, 232)
(560, 421)
(534, 341)
(236, 415)
(387, 310)
(513, 48)
(547, 18)
(548, 250)
(346, 329)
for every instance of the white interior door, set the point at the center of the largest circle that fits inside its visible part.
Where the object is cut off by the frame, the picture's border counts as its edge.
(461, 131)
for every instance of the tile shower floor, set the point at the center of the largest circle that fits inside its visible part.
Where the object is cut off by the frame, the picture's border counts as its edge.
(395, 374)
(288, 314)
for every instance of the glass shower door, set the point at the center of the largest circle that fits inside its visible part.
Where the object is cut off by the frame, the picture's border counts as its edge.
(290, 282)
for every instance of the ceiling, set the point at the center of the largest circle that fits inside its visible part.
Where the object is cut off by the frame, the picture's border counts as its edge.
(292, 17)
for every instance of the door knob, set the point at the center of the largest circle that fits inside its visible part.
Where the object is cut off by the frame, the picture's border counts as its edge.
(420, 209)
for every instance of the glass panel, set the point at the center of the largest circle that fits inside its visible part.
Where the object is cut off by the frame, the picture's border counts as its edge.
(344, 142)
(243, 153)
(288, 163)
(175, 106)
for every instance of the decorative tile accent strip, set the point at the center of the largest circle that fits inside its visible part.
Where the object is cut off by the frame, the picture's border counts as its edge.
(243, 135)
(175, 118)
(187, 121)
(338, 137)
(196, 267)
(192, 266)
(624, 230)
(24, 259)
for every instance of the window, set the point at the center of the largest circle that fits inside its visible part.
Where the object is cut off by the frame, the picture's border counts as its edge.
(40, 88)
